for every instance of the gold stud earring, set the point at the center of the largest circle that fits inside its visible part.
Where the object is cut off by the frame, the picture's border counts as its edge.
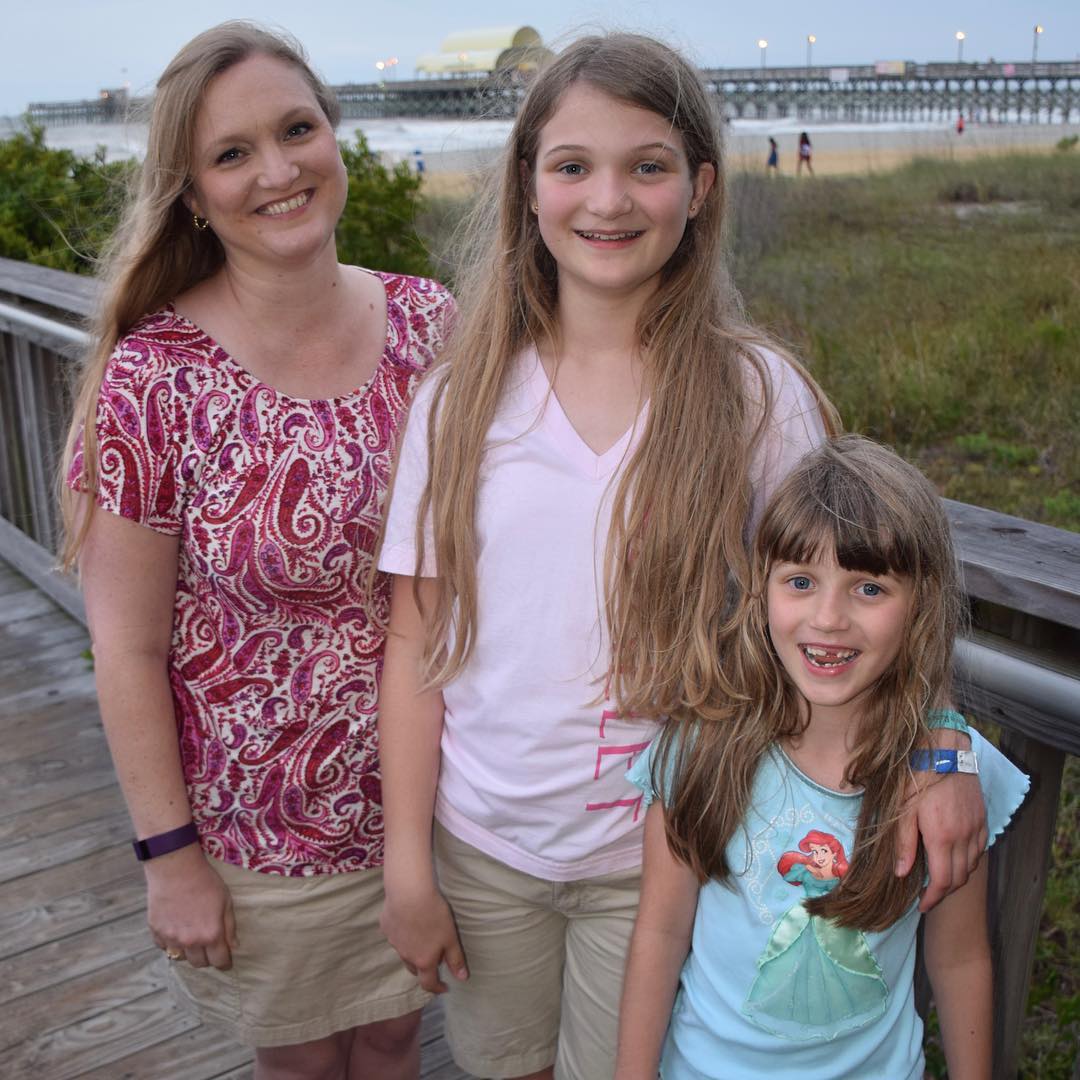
(201, 223)
(535, 208)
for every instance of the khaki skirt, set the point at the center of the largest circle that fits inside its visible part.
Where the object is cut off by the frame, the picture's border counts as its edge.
(310, 960)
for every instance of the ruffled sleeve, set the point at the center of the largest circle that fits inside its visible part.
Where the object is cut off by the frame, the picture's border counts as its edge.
(642, 773)
(1004, 786)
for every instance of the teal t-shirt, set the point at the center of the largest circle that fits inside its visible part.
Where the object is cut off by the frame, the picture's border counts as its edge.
(768, 990)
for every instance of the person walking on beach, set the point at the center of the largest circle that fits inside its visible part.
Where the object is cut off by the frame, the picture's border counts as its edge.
(960, 124)
(805, 152)
(773, 164)
(227, 466)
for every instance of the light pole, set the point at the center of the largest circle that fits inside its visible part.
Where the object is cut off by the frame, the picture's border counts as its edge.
(960, 46)
(762, 45)
(810, 39)
(1035, 44)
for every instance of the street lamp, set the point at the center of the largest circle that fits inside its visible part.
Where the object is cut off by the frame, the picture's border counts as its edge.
(762, 45)
(960, 46)
(810, 39)
(1035, 44)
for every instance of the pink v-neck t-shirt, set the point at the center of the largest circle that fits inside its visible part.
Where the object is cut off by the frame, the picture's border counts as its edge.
(533, 765)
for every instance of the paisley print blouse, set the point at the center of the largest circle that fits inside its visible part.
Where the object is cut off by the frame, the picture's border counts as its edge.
(278, 501)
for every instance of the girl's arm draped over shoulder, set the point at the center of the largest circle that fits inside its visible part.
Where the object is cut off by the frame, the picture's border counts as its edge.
(416, 919)
(658, 949)
(129, 582)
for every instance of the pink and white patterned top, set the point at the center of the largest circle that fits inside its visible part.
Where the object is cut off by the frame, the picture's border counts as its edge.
(278, 502)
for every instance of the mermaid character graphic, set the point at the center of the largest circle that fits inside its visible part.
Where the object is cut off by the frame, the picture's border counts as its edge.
(815, 979)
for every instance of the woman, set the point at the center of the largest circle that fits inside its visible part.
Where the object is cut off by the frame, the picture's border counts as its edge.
(235, 426)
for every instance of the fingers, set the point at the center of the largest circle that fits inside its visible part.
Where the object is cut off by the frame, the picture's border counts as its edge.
(907, 841)
(196, 956)
(230, 927)
(219, 956)
(940, 864)
(455, 960)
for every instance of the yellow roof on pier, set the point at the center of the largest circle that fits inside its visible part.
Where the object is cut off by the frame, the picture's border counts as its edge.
(481, 51)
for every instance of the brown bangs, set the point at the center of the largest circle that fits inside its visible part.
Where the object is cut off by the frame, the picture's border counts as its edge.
(836, 511)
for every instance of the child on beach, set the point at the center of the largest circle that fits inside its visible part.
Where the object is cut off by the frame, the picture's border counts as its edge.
(768, 850)
(806, 153)
(568, 519)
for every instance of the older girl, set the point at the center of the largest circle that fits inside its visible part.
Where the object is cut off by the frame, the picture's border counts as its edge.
(568, 517)
(231, 445)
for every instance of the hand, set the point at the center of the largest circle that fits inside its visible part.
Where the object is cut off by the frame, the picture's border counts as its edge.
(189, 908)
(949, 812)
(419, 925)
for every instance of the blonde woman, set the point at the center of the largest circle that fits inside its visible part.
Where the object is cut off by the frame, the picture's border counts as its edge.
(568, 518)
(228, 460)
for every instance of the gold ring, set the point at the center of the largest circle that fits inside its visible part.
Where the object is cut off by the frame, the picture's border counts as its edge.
(173, 954)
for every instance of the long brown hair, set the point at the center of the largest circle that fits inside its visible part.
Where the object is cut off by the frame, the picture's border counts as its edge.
(682, 501)
(156, 254)
(879, 515)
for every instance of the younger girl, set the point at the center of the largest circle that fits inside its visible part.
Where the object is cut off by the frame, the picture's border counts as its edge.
(775, 839)
(568, 515)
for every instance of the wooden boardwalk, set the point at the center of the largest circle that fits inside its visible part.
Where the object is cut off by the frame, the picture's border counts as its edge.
(82, 987)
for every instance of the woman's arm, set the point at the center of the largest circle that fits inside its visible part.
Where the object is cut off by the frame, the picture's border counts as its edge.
(129, 582)
(416, 919)
(957, 955)
(665, 920)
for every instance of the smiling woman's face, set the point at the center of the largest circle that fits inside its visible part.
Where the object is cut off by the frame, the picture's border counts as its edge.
(266, 170)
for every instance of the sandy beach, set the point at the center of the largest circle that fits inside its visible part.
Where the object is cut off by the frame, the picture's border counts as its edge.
(853, 149)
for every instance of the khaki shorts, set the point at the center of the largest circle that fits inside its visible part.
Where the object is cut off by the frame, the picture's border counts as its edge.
(310, 960)
(546, 962)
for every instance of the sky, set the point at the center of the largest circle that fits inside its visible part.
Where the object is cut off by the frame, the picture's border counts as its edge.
(58, 50)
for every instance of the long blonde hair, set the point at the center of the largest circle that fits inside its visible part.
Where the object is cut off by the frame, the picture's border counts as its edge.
(680, 507)
(156, 253)
(879, 515)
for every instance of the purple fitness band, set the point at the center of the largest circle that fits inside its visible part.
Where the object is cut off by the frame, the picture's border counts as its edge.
(165, 842)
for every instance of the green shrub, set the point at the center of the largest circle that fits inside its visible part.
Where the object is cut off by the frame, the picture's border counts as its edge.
(58, 209)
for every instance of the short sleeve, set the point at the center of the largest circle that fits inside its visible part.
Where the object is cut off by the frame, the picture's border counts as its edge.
(641, 773)
(1004, 786)
(142, 415)
(398, 554)
(793, 428)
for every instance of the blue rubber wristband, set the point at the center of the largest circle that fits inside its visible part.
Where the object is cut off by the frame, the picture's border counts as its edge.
(944, 761)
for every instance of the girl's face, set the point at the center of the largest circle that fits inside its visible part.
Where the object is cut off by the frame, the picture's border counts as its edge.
(614, 193)
(266, 170)
(836, 631)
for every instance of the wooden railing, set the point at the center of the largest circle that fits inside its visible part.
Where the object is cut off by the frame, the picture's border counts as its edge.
(1019, 666)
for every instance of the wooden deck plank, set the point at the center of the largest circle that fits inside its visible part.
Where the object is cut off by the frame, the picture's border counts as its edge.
(63, 814)
(39, 633)
(31, 925)
(79, 875)
(48, 729)
(199, 1054)
(87, 838)
(97, 1041)
(82, 997)
(73, 956)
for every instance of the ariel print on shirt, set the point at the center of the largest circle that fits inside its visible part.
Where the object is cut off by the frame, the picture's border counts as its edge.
(815, 979)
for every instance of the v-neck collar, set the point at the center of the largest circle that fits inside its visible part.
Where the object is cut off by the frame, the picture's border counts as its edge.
(556, 424)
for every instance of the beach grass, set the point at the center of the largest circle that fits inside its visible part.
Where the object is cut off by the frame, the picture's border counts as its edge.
(939, 307)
